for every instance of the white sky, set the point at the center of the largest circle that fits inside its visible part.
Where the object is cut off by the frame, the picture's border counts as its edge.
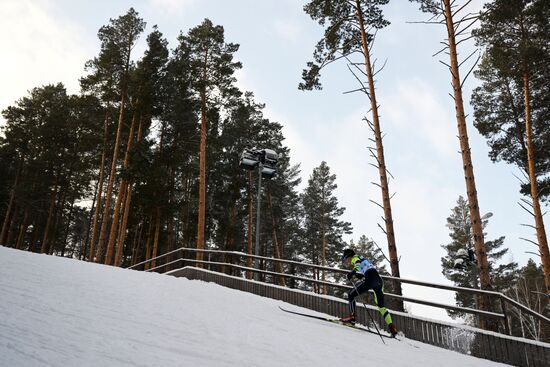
(64, 312)
(47, 41)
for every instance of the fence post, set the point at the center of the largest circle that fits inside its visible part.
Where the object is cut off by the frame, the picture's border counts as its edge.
(506, 323)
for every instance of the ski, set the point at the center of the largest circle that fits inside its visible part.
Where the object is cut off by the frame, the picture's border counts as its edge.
(338, 322)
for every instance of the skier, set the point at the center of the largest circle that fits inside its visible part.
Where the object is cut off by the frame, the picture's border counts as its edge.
(365, 271)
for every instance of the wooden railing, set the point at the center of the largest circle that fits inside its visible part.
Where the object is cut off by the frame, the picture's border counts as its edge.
(466, 340)
(504, 301)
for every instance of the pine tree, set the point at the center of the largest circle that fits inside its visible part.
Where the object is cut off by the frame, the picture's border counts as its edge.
(146, 90)
(117, 41)
(450, 14)
(51, 139)
(511, 105)
(350, 27)
(461, 234)
(323, 228)
(212, 67)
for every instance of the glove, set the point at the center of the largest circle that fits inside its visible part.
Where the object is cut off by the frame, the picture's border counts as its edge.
(356, 274)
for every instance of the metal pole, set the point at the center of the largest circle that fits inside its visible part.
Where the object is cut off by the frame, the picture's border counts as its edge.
(257, 249)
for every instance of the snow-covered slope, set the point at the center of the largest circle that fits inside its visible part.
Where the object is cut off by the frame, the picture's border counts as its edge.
(61, 312)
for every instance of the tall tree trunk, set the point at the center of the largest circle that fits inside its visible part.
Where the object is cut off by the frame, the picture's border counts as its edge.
(5, 224)
(250, 214)
(156, 241)
(539, 223)
(481, 252)
(136, 244)
(45, 239)
(322, 288)
(12, 228)
(170, 221)
(113, 236)
(58, 214)
(68, 226)
(277, 248)
(84, 249)
(185, 215)
(22, 231)
(202, 168)
(100, 187)
(202, 181)
(149, 241)
(170, 240)
(123, 225)
(109, 193)
(127, 202)
(388, 218)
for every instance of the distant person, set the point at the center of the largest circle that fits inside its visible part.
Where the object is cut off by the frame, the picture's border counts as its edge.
(370, 279)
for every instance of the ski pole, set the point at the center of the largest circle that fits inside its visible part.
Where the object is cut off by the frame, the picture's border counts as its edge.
(368, 313)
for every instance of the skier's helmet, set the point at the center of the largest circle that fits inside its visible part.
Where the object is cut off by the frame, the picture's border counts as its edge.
(347, 253)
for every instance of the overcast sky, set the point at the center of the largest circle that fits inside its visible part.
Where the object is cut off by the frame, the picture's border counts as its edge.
(48, 41)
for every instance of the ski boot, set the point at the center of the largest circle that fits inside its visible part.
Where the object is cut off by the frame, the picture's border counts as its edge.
(393, 330)
(350, 319)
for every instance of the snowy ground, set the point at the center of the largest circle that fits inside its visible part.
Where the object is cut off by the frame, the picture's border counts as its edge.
(61, 312)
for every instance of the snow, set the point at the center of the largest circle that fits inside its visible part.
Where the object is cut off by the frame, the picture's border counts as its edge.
(63, 312)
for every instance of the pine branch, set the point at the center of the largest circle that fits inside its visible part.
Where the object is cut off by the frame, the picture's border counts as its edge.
(444, 63)
(465, 39)
(382, 68)
(527, 210)
(356, 90)
(440, 51)
(465, 29)
(470, 71)
(467, 58)
(388, 260)
(532, 253)
(460, 9)
(383, 230)
(530, 241)
(427, 22)
(519, 179)
(374, 202)
(527, 202)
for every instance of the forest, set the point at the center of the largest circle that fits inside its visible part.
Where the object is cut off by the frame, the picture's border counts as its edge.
(146, 157)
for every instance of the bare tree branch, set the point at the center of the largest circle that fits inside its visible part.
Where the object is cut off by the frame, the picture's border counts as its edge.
(374, 202)
(460, 9)
(530, 241)
(471, 69)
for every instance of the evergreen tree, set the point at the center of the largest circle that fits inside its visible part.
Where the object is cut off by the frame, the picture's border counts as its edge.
(511, 106)
(50, 138)
(323, 228)
(461, 235)
(450, 14)
(350, 27)
(212, 68)
(117, 42)
(146, 92)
